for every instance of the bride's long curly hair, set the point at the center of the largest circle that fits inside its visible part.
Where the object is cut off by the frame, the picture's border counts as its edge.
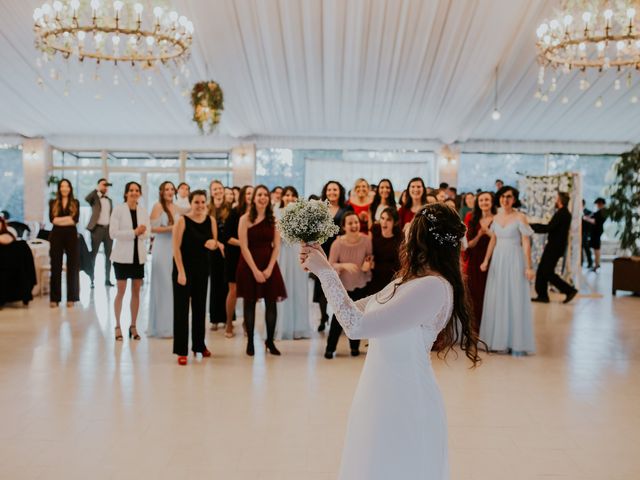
(432, 247)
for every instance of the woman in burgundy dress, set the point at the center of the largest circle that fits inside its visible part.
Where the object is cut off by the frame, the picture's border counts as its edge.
(478, 222)
(258, 275)
(386, 240)
(415, 199)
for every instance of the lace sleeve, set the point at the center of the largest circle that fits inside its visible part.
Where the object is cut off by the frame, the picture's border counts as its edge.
(420, 302)
(346, 310)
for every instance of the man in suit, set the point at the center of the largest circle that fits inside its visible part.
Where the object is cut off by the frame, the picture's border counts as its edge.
(586, 236)
(597, 220)
(101, 207)
(558, 231)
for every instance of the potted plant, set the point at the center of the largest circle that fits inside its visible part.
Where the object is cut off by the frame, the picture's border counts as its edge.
(624, 208)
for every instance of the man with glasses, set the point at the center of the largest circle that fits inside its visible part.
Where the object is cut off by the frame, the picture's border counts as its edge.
(101, 207)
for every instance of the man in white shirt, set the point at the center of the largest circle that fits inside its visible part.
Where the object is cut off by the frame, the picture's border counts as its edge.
(101, 207)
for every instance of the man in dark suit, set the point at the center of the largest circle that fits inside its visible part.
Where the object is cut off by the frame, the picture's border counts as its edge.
(101, 207)
(558, 231)
(586, 236)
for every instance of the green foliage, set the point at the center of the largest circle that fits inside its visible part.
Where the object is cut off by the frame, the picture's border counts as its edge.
(624, 207)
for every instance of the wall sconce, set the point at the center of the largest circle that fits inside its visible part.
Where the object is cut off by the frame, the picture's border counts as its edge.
(32, 156)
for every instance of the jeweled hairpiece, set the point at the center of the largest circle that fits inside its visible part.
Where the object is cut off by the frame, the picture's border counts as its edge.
(443, 238)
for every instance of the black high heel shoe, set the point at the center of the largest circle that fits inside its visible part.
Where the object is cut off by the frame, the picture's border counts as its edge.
(133, 333)
(250, 349)
(269, 345)
(118, 334)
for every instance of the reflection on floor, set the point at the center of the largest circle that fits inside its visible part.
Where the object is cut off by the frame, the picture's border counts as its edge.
(75, 404)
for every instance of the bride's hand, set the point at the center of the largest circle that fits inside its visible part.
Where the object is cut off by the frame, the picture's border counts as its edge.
(312, 258)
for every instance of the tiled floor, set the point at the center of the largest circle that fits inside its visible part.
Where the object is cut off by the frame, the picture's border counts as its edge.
(75, 404)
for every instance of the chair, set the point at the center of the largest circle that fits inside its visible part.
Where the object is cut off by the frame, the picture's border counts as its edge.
(20, 228)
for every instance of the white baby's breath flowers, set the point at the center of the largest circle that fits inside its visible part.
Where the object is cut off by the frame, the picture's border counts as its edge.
(307, 221)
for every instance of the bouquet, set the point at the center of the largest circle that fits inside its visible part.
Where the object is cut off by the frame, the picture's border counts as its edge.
(307, 221)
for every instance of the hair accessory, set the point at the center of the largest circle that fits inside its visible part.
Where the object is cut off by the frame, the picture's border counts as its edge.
(446, 238)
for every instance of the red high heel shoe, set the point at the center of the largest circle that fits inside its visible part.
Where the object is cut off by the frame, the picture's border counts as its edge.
(182, 360)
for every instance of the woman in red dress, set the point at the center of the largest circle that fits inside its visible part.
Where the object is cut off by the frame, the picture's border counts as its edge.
(478, 222)
(416, 198)
(360, 203)
(258, 275)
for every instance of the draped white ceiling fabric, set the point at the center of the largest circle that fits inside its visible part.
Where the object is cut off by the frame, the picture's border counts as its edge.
(396, 70)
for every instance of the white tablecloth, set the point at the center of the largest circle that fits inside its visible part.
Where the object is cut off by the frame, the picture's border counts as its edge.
(40, 251)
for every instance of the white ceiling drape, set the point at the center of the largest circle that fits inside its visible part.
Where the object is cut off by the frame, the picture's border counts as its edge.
(374, 71)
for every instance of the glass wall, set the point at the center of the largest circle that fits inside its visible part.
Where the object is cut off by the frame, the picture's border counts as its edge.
(149, 169)
(11, 182)
(480, 170)
(309, 170)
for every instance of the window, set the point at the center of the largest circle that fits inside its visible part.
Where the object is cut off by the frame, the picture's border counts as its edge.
(149, 169)
(309, 170)
(480, 170)
(11, 182)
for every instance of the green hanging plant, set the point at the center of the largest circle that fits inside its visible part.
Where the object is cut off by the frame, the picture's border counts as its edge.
(624, 207)
(207, 101)
(53, 181)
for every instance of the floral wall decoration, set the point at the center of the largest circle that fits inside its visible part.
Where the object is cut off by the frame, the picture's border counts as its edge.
(538, 195)
(207, 101)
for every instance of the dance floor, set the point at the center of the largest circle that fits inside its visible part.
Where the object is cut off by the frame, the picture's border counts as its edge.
(76, 404)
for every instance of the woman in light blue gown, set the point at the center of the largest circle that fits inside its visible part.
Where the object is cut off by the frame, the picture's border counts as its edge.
(163, 216)
(293, 313)
(507, 323)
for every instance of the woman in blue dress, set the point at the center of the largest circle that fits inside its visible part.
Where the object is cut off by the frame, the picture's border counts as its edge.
(507, 323)
(293, 313)
(163, 216)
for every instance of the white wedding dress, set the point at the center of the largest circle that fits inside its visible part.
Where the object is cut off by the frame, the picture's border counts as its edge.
(397, 425)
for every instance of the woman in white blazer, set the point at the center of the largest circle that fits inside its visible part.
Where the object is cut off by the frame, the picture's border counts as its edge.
(129, 227)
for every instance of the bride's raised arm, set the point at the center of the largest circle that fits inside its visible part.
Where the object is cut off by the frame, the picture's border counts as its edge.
(418, 302)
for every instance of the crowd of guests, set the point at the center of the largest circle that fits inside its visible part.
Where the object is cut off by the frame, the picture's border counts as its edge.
(223, 245)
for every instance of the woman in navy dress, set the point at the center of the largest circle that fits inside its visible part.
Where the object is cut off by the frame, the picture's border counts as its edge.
(333, 192)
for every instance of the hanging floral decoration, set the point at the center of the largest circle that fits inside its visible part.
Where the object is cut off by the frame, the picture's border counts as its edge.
(207, 102)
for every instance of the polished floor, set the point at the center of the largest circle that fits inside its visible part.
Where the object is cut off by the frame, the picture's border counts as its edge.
(76, 404)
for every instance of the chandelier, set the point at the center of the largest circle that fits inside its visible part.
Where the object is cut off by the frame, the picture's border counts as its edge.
(592, 37)
(117, 33)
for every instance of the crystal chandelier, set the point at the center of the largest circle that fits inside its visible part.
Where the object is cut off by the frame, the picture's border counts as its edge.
(117, 33)
(592, 37)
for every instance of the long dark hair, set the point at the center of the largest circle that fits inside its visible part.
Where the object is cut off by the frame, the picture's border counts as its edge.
(477, 213)
(377, 199)
(222, 212)
(242, 200)
(163, 202)
(393, 213)
(253, 211)
(433, 245)
(72, 204)
(505, 189)
(408, 202)
(285, 190)
(4, 228)
(128, 186)
(341, 197)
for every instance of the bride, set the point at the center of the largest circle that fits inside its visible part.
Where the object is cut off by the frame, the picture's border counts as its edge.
(397, 426)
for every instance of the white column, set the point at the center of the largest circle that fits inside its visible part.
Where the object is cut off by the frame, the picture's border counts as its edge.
(182, 169)
(243, 161)
(36, 164)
